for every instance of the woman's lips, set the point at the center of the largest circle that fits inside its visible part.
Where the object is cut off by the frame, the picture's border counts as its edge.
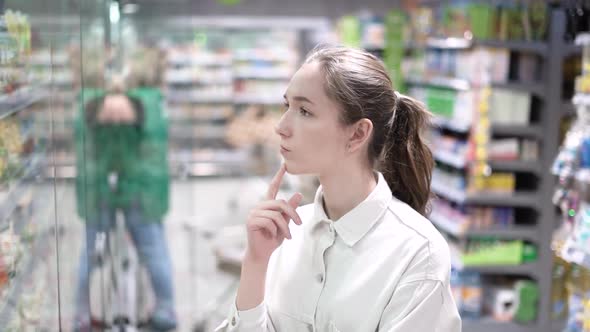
(284, 150)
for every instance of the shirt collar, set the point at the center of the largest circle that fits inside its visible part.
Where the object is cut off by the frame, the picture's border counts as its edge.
(357, 222)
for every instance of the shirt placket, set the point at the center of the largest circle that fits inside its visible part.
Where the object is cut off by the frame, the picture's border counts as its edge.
(326, 240)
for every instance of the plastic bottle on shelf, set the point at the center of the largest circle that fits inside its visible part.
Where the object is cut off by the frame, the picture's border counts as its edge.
(457, 287)
(472, 295)
(558, 292)
(578, 286)
(584, 40)
(582, 82)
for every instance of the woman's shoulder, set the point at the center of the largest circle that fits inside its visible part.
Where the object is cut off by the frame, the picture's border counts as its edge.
(424, 241)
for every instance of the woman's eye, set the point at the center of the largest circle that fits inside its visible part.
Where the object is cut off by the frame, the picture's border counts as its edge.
(304, 112)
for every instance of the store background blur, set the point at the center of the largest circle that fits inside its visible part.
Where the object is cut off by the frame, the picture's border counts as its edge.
(504, 79)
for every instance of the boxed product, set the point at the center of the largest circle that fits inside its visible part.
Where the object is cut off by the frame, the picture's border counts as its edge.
(503, 149)
(510, 107)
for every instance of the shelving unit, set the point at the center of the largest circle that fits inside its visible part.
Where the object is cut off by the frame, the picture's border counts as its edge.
(454, 43)
(227, 79)
(517, 199)
(20, 100)
(544, 131)
(18, 190)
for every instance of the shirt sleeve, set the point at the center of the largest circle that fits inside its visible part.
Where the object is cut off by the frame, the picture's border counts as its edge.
(253, 320)
(422, 305)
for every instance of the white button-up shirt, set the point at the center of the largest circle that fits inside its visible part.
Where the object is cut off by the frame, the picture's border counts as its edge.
(381, 267)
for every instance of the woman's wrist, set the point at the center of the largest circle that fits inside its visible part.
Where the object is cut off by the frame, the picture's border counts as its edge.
(252, 281)
(253, 260)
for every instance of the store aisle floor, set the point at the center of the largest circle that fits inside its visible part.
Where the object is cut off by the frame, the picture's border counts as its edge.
(198, 209)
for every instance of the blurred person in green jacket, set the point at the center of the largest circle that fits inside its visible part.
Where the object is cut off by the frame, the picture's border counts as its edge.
(124, 133)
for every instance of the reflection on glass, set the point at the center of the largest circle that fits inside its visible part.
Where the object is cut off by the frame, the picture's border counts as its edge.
(123, 185)
(119, 131)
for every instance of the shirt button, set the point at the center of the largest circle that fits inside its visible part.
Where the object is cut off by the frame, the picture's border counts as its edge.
(320, 278)
(331, 228)
(233, 321)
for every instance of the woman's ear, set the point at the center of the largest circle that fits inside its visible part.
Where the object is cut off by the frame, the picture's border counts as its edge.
(360, 133)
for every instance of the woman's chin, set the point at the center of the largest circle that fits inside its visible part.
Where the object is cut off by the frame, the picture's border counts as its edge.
(293, 168)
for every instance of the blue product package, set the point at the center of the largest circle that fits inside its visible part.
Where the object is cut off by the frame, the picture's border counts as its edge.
(471, 305)
(585, 153)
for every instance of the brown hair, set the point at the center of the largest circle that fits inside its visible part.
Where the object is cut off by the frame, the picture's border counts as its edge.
(358, 81)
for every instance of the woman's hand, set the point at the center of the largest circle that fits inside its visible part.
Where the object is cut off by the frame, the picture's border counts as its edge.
(268, 223)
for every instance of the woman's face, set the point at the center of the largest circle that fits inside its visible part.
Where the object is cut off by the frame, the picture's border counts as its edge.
(312, 139)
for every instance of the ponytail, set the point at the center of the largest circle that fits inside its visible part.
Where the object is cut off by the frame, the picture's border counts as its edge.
(407, 161)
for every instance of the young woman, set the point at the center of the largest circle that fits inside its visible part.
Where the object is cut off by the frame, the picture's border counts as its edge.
(362, 257)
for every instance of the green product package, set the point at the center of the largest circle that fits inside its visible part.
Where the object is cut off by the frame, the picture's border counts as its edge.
(441, 101)
(350, 31)
(528, 296)
(529, 253)
(481, 19)
(395, 23)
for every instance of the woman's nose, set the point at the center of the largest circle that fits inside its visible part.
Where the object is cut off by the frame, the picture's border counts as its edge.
(282, 128)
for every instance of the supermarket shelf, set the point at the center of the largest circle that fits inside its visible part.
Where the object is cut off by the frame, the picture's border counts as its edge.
(11, 200)
(455, 195)
(17, 284)
(533, 88)
(190, 60)
(21, 280)
(62, 171)
(448, 226)
(209, 169)
(530, 269)
(463, 43)
(49, 60)
(19, 101)
(199, 100)
(461, 84)
(529, 166)
(517, 45)
(522, 269)
(557, 325)
(195, 80)
(490, 325)
(253, 99)
(442, 82)
(572, 50)
(450, 158)
(192, 121)
(533, 131)
(459, 231)
(215, 156)
(453, 125)
(249, 56)
(518, 199)
(568, 109)
(246, 22)
(196, 136)
(267, 74)
(451, 43)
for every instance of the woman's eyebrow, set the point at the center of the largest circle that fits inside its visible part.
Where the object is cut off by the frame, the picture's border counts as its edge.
(300, 98)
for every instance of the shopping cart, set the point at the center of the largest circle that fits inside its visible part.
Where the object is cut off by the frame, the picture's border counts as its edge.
(123, 286)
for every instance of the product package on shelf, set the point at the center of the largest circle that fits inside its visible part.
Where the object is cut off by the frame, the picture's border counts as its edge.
(572, 167)
(571, 242)
(509, 300)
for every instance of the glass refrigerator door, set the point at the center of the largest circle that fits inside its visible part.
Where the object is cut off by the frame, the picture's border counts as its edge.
(48, 51)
